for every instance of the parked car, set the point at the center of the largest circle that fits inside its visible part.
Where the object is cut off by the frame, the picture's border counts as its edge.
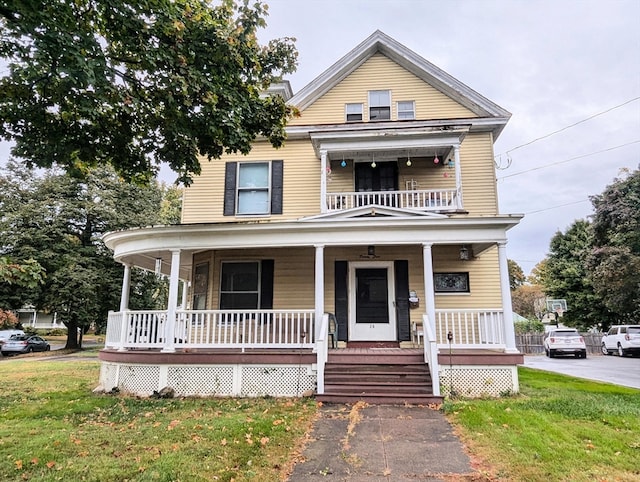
(6, 334)
(24, 344)
(564, 341)
(623, 339)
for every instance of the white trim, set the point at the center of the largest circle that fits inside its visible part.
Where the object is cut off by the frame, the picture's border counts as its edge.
(375, 332)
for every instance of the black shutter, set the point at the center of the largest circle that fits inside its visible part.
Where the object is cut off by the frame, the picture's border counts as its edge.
(341, 300)
(230, 188)
(266, 284)
(276, 187)
(402, 300)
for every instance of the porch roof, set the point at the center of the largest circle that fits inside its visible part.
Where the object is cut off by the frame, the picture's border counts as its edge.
(141, 247)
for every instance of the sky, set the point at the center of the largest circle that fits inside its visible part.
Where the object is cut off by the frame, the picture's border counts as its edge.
(567, 70)
(552, 64)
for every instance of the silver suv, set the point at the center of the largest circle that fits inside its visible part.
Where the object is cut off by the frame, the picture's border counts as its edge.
(623, 339)
(564, 341)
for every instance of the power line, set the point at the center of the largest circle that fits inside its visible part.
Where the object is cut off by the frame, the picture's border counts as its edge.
(558, 206)
(568, 160)
(569, 126)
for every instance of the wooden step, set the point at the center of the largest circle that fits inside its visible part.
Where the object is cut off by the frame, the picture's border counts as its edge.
(379, 377)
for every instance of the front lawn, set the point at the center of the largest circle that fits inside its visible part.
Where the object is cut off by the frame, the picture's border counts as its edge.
(53, 428)
(558, 428)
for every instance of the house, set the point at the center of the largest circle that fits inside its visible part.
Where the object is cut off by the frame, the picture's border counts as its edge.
(366, 259)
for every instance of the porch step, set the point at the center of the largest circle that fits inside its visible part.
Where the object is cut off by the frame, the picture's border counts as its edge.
(379, 377)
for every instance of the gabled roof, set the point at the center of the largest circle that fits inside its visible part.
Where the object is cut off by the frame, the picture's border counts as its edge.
(409, 60)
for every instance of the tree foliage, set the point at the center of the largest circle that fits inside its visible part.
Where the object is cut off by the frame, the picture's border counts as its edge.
(529, 301)
(567, 277)
(596, 265)
(137, 83)
(614, 260)
(58, 220)
(516, 275)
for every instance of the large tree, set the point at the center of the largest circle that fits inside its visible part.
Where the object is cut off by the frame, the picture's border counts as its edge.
(614, 260)
(58, 220)
(135, 83)
(566, 277)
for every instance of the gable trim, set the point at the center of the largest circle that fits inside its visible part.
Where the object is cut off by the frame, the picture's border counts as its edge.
(409, 60)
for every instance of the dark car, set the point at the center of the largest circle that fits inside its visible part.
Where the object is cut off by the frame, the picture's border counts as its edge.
(24, 344)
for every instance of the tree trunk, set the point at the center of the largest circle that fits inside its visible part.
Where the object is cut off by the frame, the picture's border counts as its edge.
(72, 334)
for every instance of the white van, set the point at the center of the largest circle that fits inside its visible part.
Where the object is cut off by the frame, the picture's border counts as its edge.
(6, 334)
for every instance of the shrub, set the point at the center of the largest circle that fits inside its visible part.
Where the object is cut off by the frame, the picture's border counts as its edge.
(528, 326)
(8, 320)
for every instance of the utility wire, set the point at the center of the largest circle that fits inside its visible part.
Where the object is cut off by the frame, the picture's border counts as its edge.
(558, 206)
(568, 160)
(570, 126)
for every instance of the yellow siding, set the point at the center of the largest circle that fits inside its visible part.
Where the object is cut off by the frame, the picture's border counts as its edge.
(294, 275)
(204, 199)
(381, 73)
(478, 175)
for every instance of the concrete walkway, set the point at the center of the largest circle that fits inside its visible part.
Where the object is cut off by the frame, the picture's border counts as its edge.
(376, 443)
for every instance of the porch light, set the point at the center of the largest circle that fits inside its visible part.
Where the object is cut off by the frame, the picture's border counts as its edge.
(373, 162)
(464, 253)
(371, 251)
(408, 161)
(343, 163)
(158, 266)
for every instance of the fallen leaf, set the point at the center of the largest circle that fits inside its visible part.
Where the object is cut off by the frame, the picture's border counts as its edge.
(18, 464)
(264, 441)
(51, 464)
(223, 442)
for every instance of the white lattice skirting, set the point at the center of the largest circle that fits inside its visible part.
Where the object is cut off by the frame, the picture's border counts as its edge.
(207, 380)
(478, 380)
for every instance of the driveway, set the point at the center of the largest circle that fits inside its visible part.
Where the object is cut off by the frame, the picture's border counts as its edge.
(623, 371)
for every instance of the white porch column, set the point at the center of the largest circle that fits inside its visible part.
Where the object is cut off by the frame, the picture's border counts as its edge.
(170, 323)
(185, 292)
(507, 310)
(323, 181)
(319, 288)
(126, 286)
(456, 157)
(429, 288)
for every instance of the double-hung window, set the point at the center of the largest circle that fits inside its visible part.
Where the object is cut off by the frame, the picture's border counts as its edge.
(246, 285)
(253, 188)
(406, 110)
(379, 105)
(353, 112)
(240, 285)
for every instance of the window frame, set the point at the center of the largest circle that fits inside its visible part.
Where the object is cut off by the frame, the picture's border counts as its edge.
(347, 113)
(266, 189)
(378, 106)
(442, 286)
(400, 111)
(222, 292)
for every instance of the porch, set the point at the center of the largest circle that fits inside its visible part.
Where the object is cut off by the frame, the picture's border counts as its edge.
(276, 353)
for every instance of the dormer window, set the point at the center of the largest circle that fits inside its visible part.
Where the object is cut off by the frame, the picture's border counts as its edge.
(379, 105)
(406, 110)
(353, 112)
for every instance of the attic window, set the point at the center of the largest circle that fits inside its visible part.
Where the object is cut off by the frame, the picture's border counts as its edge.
(353, 112)
(406, 110)
(379, 105)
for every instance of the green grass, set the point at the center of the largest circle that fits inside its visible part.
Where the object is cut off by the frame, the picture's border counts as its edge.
(53, 428)
(558, 428)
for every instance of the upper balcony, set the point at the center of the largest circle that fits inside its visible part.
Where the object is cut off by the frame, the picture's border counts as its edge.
(412, 168)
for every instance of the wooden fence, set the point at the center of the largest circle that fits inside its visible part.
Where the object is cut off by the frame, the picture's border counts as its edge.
(531, 343)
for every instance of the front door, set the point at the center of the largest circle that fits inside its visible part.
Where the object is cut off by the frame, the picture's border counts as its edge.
(371, 307)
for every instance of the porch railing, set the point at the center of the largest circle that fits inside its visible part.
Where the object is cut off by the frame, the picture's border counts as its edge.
(213, 329)
(431, 354)
(322, 347)
(470, 328)
(423, 200)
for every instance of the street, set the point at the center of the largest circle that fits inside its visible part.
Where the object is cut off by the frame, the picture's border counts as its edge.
(623, 371)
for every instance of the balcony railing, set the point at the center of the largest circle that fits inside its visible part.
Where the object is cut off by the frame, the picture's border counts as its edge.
(422, 200)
